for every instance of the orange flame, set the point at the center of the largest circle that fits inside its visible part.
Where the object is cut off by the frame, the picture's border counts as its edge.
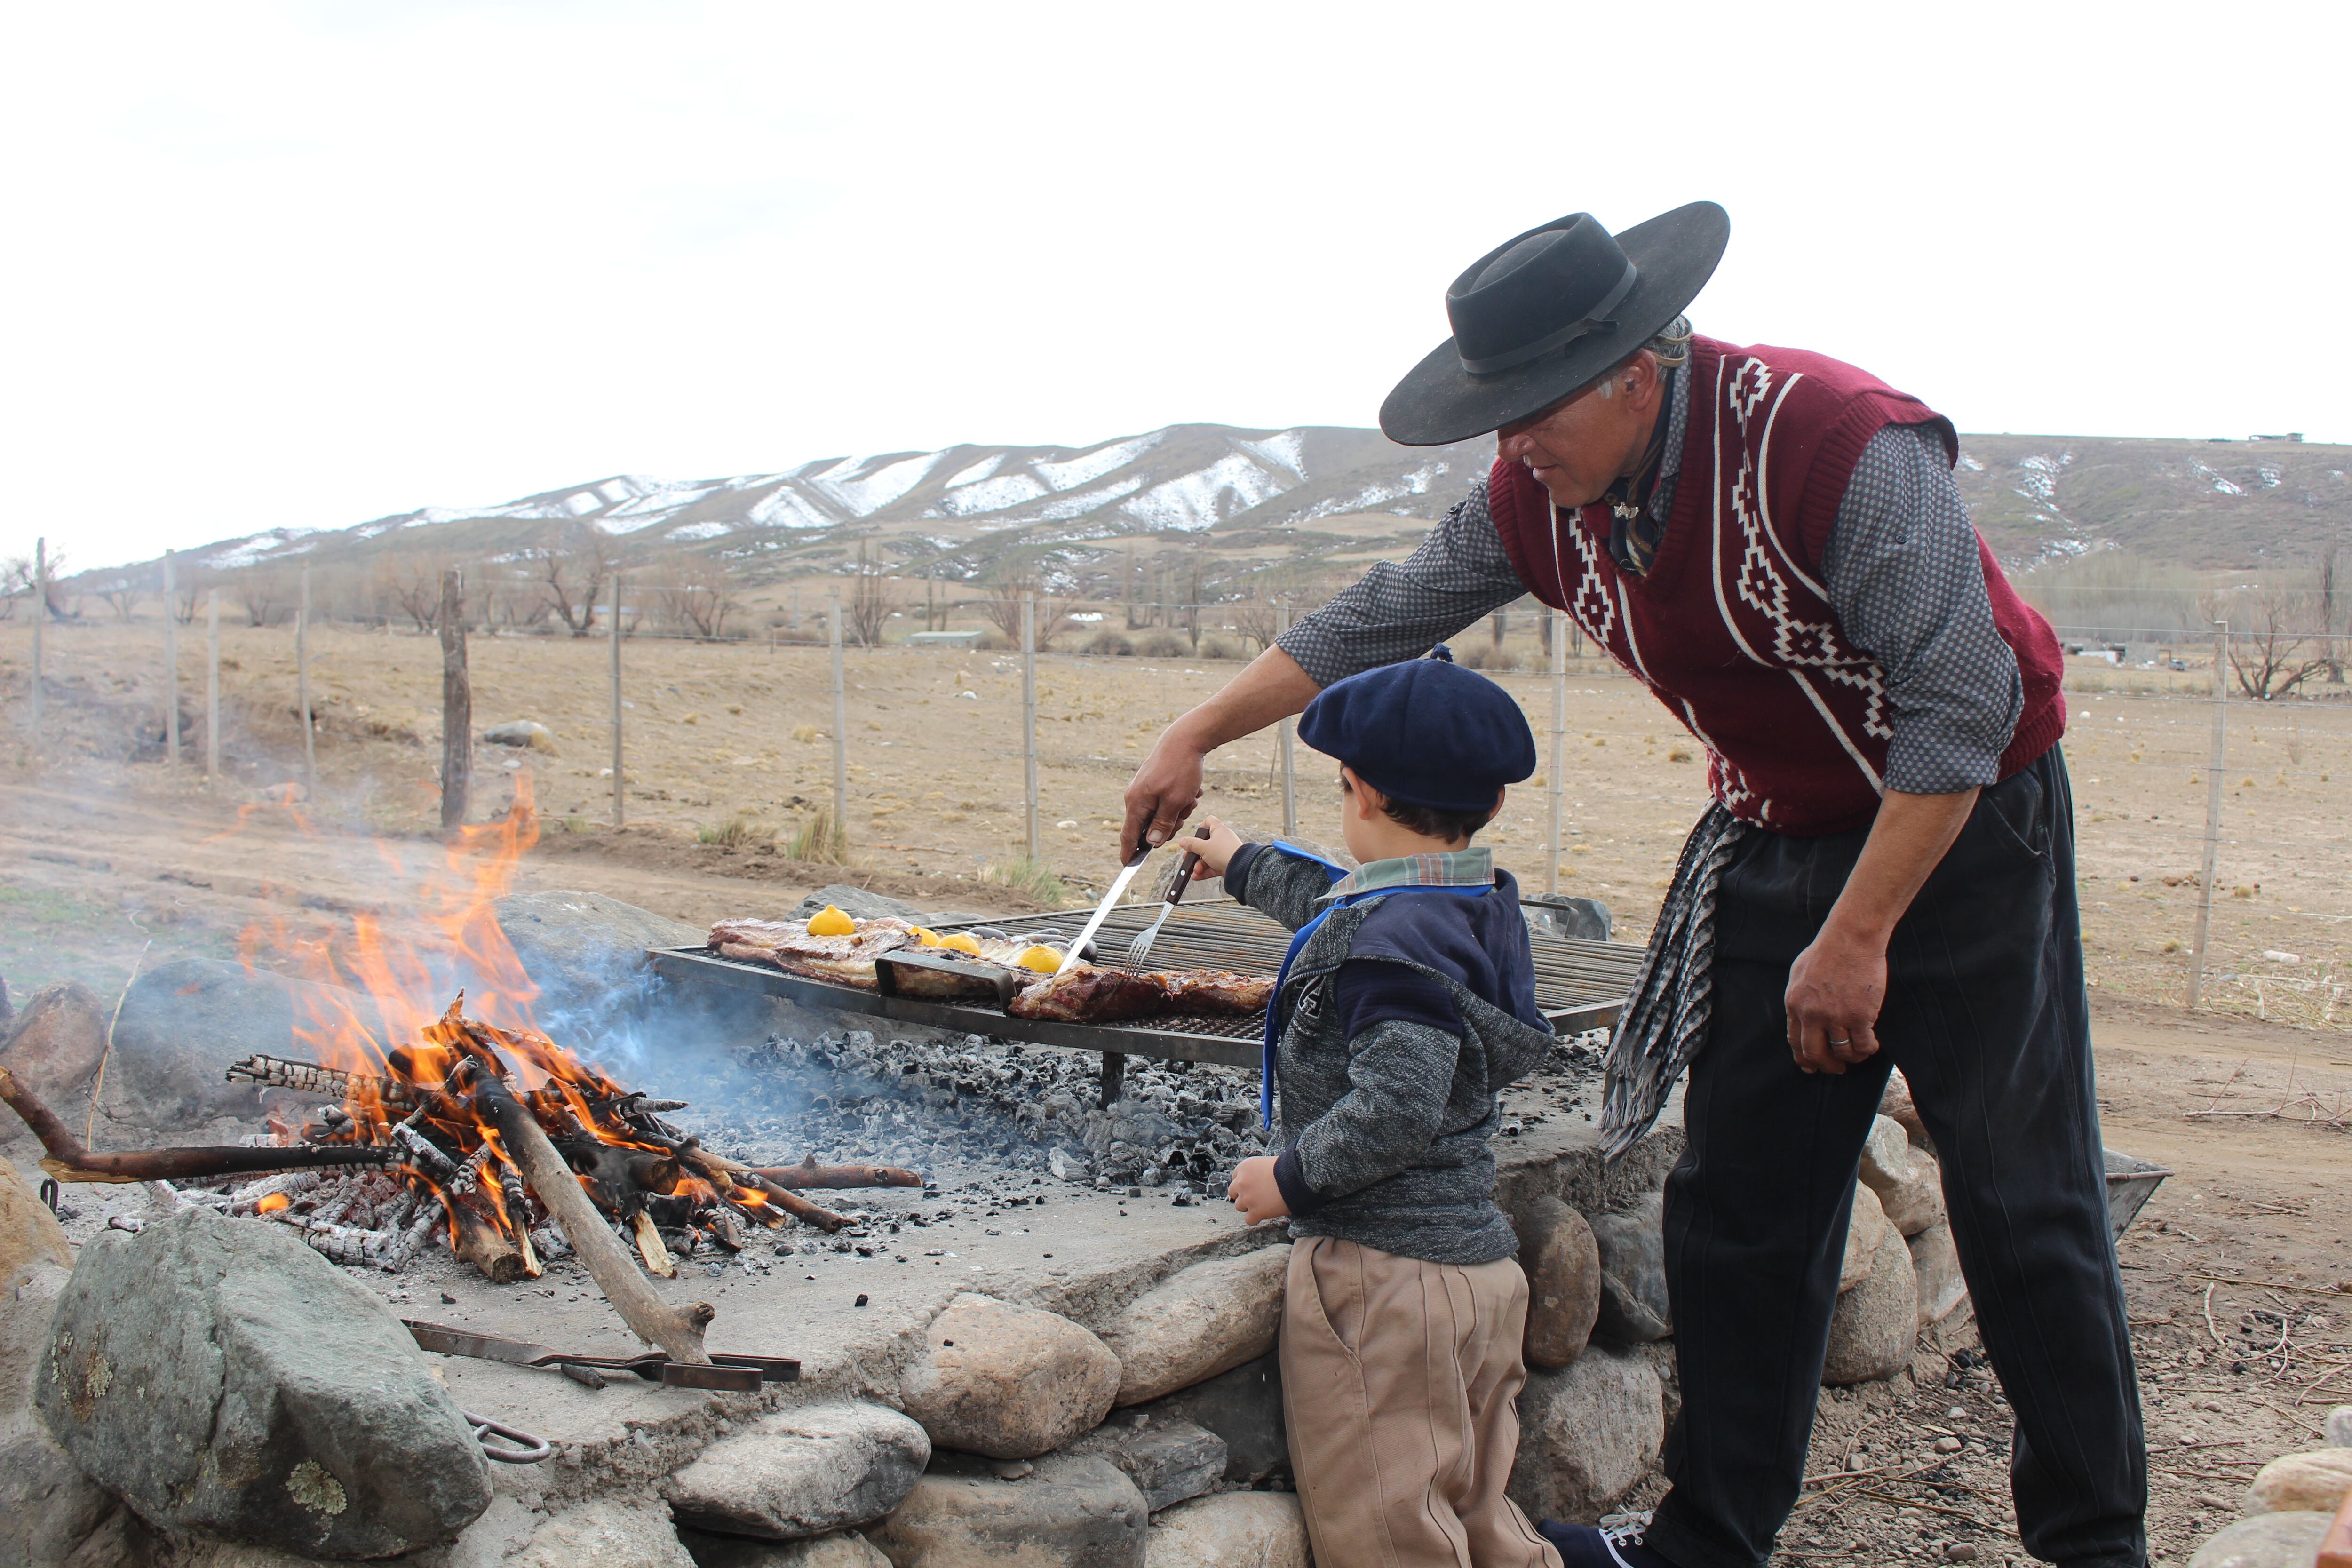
(272, 1202)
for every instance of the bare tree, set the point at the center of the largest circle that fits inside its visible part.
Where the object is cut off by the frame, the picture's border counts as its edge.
(572, 569)
(694, 598)
(867, 604)
(1002, 605)
(2271, 636)
(15, 584)
(411, 582)
(122, 595)
(263, 593)
(1257, 620)
(2331, 651)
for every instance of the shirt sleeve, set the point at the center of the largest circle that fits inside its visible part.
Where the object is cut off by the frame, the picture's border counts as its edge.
(1906, 579)
(1401, 611)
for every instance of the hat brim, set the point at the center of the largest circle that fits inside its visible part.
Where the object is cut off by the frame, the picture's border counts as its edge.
(1673, 255)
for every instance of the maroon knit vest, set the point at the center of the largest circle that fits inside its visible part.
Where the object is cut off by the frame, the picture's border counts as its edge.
(1732, 628)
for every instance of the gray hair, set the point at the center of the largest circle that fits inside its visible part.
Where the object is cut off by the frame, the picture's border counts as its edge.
(1671, 348)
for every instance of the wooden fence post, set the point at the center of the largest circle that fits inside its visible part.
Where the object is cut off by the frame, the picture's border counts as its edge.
(302, 690)
(840, 731)
(2219, 759)
(457, 704)
(171, 660)
(212, 683)
(1029, 716)
(620, 793)
(40, 614)
(1283, 731)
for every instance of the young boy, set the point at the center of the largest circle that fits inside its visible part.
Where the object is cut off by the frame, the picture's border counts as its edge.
(1407, 1001)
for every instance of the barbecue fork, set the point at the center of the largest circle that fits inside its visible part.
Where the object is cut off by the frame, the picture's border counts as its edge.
(1140, 948)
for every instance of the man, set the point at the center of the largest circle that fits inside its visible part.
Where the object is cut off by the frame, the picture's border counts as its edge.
(1772, 542)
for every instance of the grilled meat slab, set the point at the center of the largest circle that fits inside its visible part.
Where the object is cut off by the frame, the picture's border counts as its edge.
(1085, 994)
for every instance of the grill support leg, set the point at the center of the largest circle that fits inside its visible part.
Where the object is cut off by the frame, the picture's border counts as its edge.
(1114, 1075)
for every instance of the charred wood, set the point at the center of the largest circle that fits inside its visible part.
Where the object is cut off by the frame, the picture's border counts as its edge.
(677, 1333)
(485, 1245)
(68, 1161)
(809, 1173)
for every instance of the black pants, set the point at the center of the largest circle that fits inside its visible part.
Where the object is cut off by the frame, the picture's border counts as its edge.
(1987, 1016)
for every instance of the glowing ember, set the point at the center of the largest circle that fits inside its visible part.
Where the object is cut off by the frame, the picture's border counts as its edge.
(271, 1203)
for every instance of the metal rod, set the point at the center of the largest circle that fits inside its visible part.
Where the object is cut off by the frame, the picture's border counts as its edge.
(302, 690)
(620, 791)
(212, 683)
(840, 731)
(40, 614)
(2212, 810)
(1559, 779)
(1283, 731)
(1029, 716)
(170, 660)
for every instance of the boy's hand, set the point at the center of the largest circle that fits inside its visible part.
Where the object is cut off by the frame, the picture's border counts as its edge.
(1216, 851)
(1255, 1191)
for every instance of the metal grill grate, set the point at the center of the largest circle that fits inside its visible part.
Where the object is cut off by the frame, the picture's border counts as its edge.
(1579, 984)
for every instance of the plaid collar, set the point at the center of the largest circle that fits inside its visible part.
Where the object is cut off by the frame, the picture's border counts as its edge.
(1471, 867)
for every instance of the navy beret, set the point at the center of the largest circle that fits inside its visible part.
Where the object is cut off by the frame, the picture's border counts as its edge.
(1426, 731)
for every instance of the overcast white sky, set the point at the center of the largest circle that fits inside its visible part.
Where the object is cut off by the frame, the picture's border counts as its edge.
(276, 265)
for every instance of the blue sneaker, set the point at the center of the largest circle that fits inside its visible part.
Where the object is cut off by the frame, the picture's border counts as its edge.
(1600, 1545)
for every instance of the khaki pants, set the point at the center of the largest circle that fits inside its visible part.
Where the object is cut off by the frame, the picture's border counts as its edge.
(1399, 1385)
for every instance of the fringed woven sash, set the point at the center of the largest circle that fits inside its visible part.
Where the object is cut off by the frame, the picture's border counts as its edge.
(1665, 1018)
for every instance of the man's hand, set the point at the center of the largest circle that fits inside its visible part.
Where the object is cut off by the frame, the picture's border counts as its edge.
(1837, 986)
(1835, 989)
(1255, 1191)
(1164, 790)
(1167, 787)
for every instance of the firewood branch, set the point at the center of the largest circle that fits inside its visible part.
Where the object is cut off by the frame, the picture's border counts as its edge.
(809, 1173)
(677, 1333)
(69, 1160)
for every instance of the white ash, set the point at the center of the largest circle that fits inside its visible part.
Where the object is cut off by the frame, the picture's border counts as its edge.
(852, 1099)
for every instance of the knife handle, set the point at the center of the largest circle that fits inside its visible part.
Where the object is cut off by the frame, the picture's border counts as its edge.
(1184, 868)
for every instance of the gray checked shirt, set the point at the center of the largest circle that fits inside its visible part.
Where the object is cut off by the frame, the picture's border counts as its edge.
(1901, 566)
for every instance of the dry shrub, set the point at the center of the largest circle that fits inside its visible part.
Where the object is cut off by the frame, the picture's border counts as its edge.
(821, 838)
(1109, 644)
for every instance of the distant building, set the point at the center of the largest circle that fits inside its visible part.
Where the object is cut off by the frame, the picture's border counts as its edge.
(2290, 436)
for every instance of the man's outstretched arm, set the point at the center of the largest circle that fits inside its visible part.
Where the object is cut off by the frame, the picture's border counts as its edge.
(1168, 785)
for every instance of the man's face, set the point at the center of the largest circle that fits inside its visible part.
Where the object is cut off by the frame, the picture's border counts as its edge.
(1577, 449)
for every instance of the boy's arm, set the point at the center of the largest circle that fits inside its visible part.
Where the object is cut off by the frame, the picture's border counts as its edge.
(1269, 879)
(1400, 1074)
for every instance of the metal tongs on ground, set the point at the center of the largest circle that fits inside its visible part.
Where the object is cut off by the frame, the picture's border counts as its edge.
(729, 1373)
(1140, 948)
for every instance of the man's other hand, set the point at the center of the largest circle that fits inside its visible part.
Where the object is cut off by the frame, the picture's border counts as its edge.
(1835, 990)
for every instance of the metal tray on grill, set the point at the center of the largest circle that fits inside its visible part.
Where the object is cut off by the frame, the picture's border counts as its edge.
(1579, 984)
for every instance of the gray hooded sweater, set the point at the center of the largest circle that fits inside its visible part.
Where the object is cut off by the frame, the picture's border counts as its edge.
(1382, 1132)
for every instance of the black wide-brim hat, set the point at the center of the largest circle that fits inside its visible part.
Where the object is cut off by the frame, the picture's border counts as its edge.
(1547, 313)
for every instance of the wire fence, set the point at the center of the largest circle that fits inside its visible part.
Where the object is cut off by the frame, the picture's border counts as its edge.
(2229, 882)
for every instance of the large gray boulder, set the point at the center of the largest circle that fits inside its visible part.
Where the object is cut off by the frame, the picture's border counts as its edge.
(1562, 1262)
(1936, 1262)
(47, 1507)
(1199, 1321)
(2316, 1481)
(802, 1472)
(1073, 1511)
(1866, 1231)
(1633, 1247)
(29, 1233)
(1243, 1409)
(1586, 1435)
(1237, 1529)
(221, 1377)
(857, 903)
(1169, 1460)
(846, 1550)
(607, 1534)
(2266, 1541)
(1876, 1325)
(1909, 1185)
(1008, 1382)
(185, 1022)
(52, 1046)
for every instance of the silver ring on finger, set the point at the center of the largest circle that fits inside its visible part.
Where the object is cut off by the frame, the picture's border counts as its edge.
(1844, 1042)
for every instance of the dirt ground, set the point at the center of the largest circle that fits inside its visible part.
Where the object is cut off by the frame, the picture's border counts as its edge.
(2239, 1280)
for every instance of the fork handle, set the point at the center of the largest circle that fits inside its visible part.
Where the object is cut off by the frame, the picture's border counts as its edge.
(1184, 868)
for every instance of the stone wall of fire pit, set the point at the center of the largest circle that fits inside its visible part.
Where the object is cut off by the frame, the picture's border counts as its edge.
(1110, 1392)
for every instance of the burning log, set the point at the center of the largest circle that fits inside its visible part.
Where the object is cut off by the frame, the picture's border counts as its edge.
(809, 1173)
(485, 1245)
(308, 1077)
(68, 1161)
(677, 1334)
